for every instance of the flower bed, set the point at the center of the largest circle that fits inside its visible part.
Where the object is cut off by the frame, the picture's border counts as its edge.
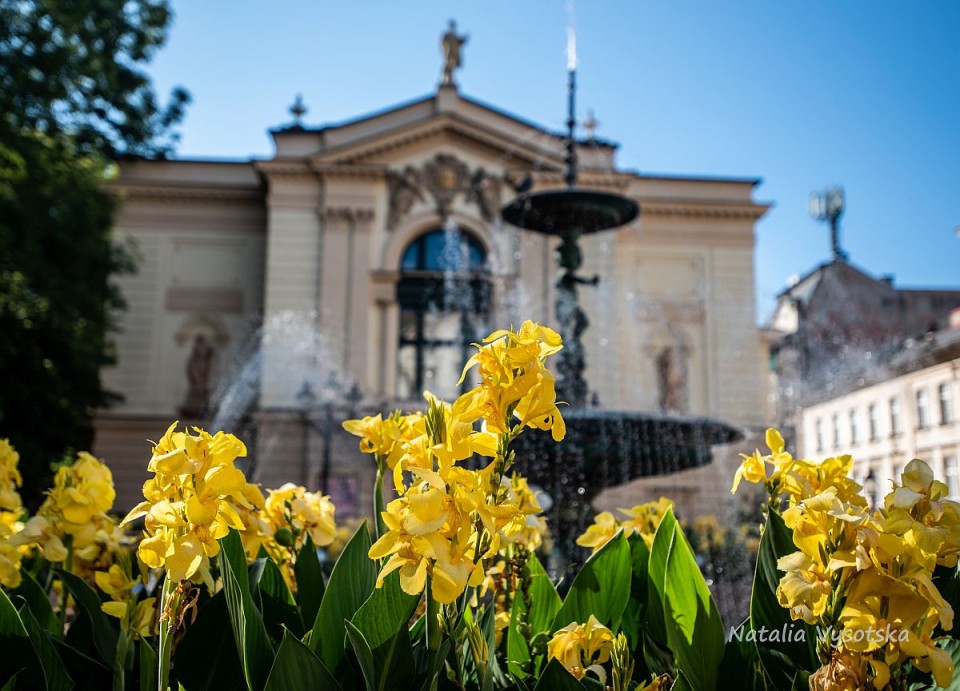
(225, 587)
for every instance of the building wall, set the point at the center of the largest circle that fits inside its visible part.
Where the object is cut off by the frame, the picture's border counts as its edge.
(308, 244)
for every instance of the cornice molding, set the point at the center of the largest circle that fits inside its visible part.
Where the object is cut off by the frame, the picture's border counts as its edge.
(283, 168)
(186, 194)
(349, 170)
(702, 209)
(351, 214)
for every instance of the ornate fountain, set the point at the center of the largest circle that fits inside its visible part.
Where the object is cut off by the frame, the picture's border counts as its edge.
(603, 448)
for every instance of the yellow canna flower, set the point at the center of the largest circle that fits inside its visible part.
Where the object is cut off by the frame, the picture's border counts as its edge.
(10, 478)
(195, 497)
(581, 646)
(753, 469)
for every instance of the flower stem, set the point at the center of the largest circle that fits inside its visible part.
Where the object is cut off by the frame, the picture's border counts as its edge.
(378, 505)
(64, 594)
(434, 634)
(169, 603)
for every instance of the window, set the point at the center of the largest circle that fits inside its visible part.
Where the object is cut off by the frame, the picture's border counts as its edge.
(444, 295)
(923, 409)
(896, 428)
(872, 422)
(835, 420)
(946, 404)
(854, 431)
(952, 473)
(818, 430)
(898, 471)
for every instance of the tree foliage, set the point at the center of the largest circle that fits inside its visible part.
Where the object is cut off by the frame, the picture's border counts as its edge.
(73, 96)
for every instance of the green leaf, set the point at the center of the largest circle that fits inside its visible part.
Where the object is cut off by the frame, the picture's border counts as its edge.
(249, 632)
(310, 585)
(545, 600)
(54, 674)
(555, 677)
(654, 623)
(694, 628)
(15, 643)
(39, 603)
(296, 667)
(602, 587)
(148, 665)
(88, 604)
(635, 611)
(518, 650)
(780, 662)
(386, 611)
(88, 673)
(206, 658)
(352, 581)
(739, 666)
(364, 655)
(275, 601)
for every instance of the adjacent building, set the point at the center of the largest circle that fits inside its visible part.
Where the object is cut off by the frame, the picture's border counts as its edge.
(907, 406)
(834, 329)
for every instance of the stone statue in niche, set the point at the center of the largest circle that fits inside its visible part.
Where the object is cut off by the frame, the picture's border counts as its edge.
(671, 365)
(404, 191)
(199, 369)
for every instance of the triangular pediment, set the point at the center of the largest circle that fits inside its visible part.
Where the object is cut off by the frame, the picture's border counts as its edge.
(439, 132)
(444, 121)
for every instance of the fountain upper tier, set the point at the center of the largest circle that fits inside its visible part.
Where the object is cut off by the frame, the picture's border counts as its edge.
(583, 211)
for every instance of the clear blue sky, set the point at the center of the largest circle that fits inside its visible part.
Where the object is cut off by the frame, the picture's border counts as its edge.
(801, 94)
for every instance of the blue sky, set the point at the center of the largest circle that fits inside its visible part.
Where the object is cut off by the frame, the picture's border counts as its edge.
(801, 94)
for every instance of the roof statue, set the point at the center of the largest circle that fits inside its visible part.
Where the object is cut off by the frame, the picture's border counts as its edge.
(452, 45)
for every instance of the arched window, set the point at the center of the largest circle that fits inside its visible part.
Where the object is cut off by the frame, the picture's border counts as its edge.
(444, 295)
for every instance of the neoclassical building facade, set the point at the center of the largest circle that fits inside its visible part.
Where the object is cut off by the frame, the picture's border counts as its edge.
(353, 268)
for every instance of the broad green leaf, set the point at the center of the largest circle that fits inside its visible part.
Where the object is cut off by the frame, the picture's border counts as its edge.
(148, 665)
(602, 587)
(249, 633)
(296, 667)
(694, 628)
(386, 611)
(780, 662)
(739, 667)
(352, 581)
(310, 585)
(54, 674)
(635, 611)
(17, 658)
(88, 604)
(656, 571)
(544, 598)
(555, 677)
(364, 655)
(518, 650)
(207, 657)
(39, 603)
(275, 601)
(88, 673)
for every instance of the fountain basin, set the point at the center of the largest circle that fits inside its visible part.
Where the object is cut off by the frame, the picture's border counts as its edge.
(556, 211)
(607, 448)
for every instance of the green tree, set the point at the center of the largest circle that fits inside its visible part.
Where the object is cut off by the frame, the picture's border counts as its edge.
(73, 97)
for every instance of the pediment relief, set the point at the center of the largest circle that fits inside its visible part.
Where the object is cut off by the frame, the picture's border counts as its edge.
(440, 181)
